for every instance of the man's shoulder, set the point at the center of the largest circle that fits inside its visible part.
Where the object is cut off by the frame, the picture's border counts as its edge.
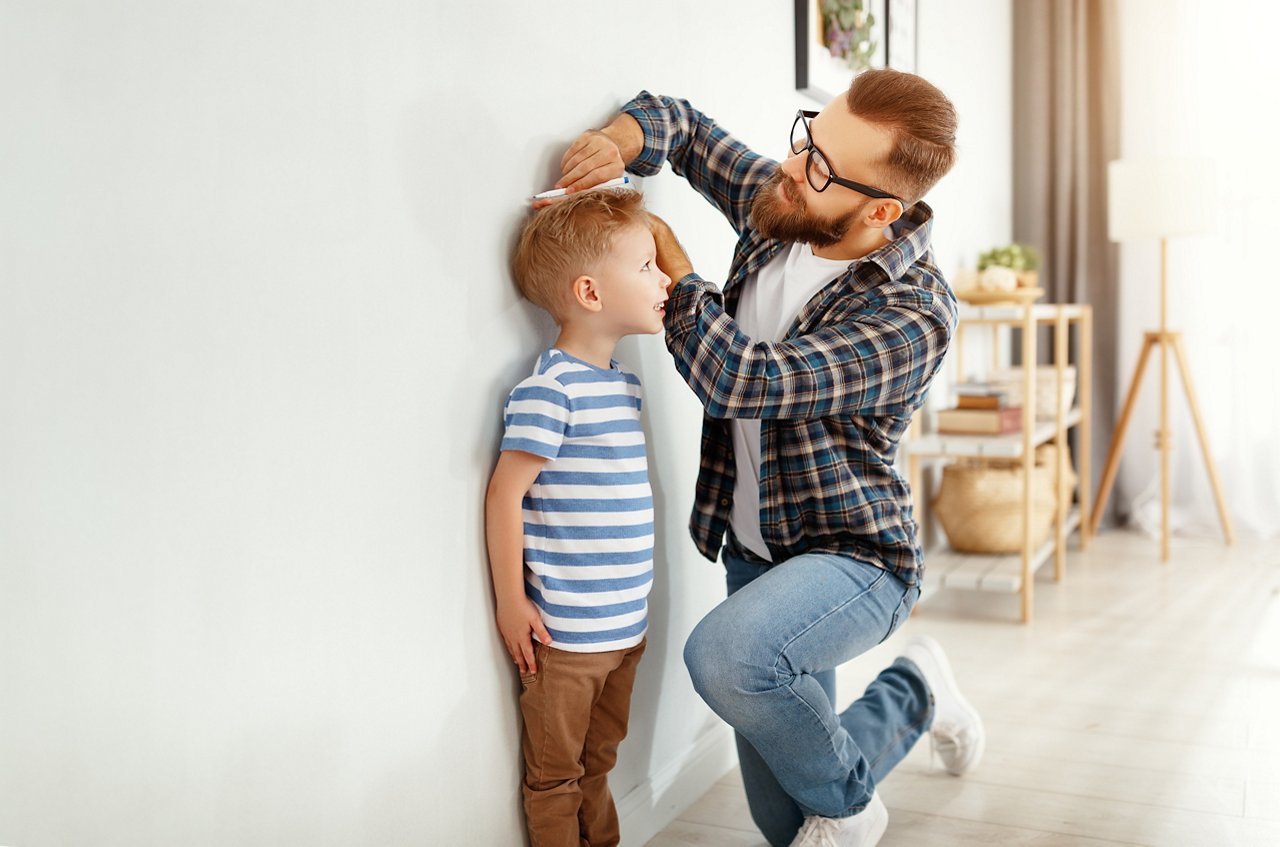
(920, 290)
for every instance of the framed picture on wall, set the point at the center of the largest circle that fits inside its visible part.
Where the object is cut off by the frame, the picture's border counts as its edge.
(835, 39)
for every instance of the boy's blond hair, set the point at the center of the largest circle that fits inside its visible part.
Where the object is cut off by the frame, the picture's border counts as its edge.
(569, 238)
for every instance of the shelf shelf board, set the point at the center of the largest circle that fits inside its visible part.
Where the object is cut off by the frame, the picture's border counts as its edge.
(977, 572)
(1011, 313)
(938, 445)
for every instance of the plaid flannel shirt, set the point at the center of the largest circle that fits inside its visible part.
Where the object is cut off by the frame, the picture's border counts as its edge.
(834, 397)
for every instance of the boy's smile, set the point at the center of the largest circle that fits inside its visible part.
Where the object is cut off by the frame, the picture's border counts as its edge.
(633, 290)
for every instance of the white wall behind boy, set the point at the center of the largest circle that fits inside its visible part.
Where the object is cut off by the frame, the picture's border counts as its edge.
(255, 334)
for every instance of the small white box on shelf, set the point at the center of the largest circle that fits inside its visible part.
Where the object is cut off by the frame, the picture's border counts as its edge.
(1010, 381)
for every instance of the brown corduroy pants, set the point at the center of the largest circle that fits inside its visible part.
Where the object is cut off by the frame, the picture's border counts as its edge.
(575, 712)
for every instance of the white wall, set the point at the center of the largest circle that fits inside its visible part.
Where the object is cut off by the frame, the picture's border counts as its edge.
(256, 328)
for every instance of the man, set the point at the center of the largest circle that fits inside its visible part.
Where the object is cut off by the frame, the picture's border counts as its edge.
(831, 326)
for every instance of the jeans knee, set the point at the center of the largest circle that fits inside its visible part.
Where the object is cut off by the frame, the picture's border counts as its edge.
(705, 657)
(719, 665)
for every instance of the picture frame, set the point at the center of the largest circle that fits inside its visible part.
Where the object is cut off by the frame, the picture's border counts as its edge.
(869, 33)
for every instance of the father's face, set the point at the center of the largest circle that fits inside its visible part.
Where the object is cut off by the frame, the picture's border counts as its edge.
(789, 208)
(779, 211)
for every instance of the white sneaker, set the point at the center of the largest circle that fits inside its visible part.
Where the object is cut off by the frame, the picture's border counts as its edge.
(861, 830)
(957, 733)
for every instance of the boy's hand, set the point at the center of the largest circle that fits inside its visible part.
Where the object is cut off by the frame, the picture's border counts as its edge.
(672, 259)
(517, 618)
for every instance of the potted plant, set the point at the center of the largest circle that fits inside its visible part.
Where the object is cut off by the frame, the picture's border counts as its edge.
(1022, 259)
(847, 31)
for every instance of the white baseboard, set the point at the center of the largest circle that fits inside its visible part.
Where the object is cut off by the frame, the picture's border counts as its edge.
(650, 806)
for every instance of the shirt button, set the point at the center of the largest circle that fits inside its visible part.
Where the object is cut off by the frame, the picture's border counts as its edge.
(724, 501)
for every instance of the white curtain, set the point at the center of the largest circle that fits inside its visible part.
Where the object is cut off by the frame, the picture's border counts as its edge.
(1200, 79)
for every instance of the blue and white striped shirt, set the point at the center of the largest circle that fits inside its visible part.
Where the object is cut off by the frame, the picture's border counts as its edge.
(588, 517)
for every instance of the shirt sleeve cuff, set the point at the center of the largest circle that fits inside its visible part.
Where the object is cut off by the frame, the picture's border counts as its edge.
(650, 112)
(686, 301)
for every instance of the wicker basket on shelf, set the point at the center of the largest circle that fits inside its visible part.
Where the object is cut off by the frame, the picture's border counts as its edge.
(980, 503)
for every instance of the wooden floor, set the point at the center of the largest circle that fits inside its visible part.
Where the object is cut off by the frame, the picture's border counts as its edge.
(1141, 706)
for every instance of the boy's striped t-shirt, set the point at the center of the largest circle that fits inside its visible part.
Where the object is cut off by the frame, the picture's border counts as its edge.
(588, 518)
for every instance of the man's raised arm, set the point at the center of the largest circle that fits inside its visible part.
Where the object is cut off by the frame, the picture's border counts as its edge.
(652, 130)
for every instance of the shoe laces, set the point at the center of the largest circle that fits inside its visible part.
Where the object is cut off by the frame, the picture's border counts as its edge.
(818, 832)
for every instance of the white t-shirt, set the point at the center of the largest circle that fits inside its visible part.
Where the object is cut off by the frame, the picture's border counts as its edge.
(767, 307)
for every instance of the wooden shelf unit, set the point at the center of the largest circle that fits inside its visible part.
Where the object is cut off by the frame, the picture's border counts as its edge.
(1016, 572)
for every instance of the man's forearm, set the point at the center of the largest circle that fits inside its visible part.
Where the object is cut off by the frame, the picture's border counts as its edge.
(722, 169)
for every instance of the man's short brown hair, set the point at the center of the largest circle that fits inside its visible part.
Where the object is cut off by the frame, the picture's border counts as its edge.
(569, 238)
(923, 122)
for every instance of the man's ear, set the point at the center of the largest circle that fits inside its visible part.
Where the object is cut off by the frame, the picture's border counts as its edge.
(882, 213)
(586, 293)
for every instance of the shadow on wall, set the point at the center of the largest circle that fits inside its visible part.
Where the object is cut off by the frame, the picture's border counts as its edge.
(643, 726)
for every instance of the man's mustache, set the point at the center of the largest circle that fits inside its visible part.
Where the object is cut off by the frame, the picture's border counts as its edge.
(789, 189)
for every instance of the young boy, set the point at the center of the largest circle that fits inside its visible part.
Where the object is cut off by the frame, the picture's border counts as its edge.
(569, 512)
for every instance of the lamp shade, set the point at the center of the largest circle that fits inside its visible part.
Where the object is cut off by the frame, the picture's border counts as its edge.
(1159, 197)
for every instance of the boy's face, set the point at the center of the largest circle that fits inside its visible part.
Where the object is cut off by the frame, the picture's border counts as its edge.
(632, 289)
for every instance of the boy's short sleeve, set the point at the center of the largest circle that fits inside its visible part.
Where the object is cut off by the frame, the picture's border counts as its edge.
(536, 417)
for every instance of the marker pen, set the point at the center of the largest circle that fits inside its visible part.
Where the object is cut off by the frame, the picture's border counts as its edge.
(560, 192)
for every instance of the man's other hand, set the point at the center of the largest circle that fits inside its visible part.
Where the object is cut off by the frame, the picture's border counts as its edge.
(672, 259)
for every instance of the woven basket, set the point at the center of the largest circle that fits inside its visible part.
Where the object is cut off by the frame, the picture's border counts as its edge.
(980, 504)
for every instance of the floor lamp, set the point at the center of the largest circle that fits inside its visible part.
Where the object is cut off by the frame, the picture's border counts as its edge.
(1159, 198)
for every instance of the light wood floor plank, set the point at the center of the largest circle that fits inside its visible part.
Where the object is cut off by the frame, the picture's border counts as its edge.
(1046, 810)
(911, 829)
(685, 834)
(724, 805)
(1222, 795)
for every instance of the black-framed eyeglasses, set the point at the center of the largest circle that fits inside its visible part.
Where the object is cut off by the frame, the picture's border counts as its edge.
(818, 167)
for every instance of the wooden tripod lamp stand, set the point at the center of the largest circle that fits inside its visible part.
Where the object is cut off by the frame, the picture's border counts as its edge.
(1159, 198)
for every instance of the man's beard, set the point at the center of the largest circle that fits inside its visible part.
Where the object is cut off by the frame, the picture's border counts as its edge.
(795, 223)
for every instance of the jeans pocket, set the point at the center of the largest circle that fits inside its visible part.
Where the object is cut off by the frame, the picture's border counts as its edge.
(900, 614)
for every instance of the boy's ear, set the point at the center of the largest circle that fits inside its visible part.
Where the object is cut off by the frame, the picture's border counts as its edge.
(586, 293)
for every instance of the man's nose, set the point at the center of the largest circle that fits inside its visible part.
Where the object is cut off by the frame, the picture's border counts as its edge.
(793, 166)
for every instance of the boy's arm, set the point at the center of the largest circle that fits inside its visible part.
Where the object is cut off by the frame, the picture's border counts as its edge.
(652, 130)
(517, 616)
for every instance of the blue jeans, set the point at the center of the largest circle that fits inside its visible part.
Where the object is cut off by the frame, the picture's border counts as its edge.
(764, 660)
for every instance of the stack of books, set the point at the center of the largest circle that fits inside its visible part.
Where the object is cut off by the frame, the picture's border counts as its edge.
(982, 408)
